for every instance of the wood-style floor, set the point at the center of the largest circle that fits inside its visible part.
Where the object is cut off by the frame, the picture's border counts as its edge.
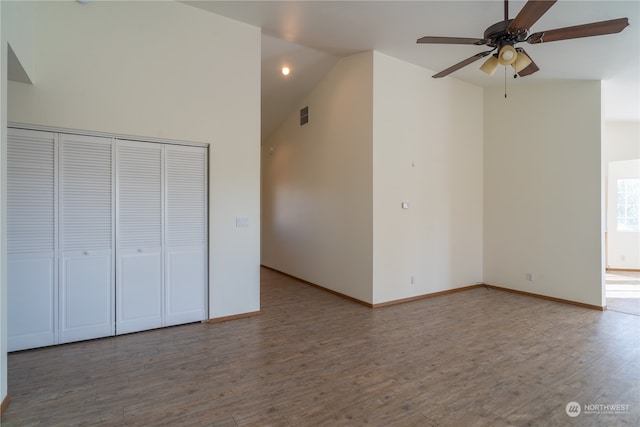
(474, 358)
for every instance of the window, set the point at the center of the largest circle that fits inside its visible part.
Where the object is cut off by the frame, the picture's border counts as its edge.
(628, 204)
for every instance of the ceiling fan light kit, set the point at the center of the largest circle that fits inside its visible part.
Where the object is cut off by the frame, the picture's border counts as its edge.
(504, 35)
(522, 61)
(507, 55)
(490, 65)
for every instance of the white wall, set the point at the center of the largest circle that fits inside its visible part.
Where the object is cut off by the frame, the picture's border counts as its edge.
(381, 131)
(317, 185)
(21, 65)
(542, 204)
(621, 144)
(166, 70)
(427, 143)
(621, 141)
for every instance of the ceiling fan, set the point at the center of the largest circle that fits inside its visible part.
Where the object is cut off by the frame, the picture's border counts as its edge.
(503, 36)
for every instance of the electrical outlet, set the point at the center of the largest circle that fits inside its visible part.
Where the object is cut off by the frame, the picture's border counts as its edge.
(529, 277)
(413, 280)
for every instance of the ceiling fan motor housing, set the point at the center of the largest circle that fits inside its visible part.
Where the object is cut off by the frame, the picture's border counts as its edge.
(498, 36)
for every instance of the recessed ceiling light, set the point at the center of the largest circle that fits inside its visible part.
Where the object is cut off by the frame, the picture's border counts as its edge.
(285, 71)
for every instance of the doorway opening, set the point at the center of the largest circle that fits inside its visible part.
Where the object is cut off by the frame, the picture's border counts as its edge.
(622, 284)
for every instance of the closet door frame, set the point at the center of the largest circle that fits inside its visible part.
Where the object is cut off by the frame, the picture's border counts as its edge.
(60, 258)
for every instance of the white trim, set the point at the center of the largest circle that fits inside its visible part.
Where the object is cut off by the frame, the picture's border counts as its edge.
(57, 252)
(114, 248)
(117, 136)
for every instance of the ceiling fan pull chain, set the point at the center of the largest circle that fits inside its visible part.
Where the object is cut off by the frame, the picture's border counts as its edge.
(505, 82)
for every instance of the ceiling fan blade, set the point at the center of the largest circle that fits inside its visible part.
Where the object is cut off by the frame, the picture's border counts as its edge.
(586, 30)
(529, 69)
(461, 64)
(529, 14)
(451, 40)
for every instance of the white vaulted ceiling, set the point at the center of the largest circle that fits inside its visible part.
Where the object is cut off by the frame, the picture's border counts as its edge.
(310, 36)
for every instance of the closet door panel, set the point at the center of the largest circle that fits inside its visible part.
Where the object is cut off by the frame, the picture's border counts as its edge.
(86, 238)
(186, 234)
(32, 301)
(139, 236)
(186, 285)
(139, 296)
(86, 294)
(31, 239)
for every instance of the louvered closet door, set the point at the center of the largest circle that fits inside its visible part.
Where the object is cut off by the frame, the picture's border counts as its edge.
(86, 238)
(139, 236)
(186, 234)
(31, 260)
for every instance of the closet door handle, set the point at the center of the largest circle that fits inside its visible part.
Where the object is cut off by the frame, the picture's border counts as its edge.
(85, 253)
(140, 251)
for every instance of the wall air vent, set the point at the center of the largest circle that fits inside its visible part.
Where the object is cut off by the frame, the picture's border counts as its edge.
(304, 116)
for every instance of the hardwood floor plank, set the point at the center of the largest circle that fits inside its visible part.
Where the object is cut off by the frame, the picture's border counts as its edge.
(479, 357)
